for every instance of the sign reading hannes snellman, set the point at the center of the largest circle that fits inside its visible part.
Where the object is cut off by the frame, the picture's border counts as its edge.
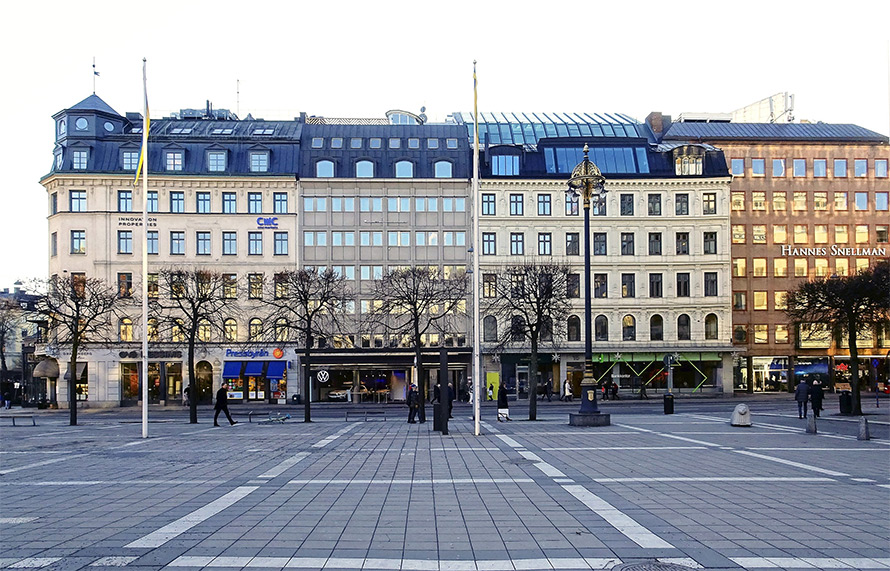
(833, 250)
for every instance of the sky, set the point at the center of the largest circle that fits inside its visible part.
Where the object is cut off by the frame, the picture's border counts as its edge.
(359, 59)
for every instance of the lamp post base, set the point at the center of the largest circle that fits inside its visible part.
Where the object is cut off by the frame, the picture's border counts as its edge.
(590, 419)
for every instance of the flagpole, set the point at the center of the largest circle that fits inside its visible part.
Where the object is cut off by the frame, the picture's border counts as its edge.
(143, 162)
(477, 367)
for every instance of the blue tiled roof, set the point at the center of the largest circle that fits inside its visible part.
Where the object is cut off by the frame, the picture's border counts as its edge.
(772, 131)
(528, 128)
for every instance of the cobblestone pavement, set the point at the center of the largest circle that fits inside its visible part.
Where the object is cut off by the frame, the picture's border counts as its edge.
(686, 489)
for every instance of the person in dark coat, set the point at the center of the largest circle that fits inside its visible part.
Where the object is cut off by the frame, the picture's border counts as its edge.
(548, 390)
(450, 399)
(816, 395)
(437, 394)
(801, 394)
(222, 404)
(614, 390)
(605, 390)
(503, 405)
(413, 404)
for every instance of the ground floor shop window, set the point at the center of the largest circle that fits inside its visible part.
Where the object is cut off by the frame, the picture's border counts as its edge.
(770, 374)
(164, 382)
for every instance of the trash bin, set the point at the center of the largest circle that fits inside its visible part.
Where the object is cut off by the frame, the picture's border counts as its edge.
(846, 402)
(295, 399)
(669, 403)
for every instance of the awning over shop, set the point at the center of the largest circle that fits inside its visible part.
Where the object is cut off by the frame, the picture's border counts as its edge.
(254, 369)
(275, 370)
(47, 368)
(232, 369)
(81, 367)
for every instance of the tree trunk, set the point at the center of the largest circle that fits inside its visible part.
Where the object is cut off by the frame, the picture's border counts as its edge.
(854, 364)
(307, 388)
(193, 391)
(420, 380)
(72, 386)
(533, 382)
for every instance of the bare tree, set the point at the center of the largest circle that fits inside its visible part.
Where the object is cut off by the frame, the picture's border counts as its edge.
(311, 304)
(846, 305)
(10, 317)
(78, 310)
(411, 302)
(192, 305)
(531, 302)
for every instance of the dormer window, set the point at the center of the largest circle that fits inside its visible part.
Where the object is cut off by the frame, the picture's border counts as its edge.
(130, 160)
(259, 161)
(81, 124)
(216, 161)
(180, 130)
(688, 160)
(264, 131)
(174, 160)
(63, 127)
(79, 159)
(58, 160)
(222, 131)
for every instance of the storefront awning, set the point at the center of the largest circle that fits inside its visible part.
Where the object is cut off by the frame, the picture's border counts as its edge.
(254, 369)
(47, 368)
(232, 370)
(275, 370)
(81, 367)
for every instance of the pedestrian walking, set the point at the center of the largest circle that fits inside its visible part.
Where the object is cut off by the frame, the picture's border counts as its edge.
(450, 399)
(472, 396)
(222, 404)
(503, 405)
(548, 390)
(8, 401)
(437, 394)
(801, 394)
(615, 391)
(605, 391)
(643, 394)
(567, 387)
(187, 393)
(816, 395)
(490, 392)
(413, 404)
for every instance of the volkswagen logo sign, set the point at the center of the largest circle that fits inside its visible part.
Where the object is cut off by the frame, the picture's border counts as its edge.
(323, 376)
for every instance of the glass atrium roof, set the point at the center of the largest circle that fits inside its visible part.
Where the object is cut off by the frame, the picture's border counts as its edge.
(528, 128)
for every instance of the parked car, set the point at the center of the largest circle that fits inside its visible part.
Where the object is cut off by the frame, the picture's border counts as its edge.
(345, 395)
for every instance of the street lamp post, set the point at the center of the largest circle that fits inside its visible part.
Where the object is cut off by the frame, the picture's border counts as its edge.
(587, 181)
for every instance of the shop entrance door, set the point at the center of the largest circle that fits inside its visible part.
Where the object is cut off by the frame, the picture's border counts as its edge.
(522, 383)
(154, 383)
(204, 374)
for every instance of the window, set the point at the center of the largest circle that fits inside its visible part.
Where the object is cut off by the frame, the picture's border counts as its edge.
(800, 234)
(860, 167)
(152, 205)
(684, 332)
(710, 241)
(737, 201)
(259, 161)
(126, 329)
(860, 200)
(364, 169)
(573, 328)
(683, 284)
(821, 266)
(130, 160)
(395, 143)
(738, 167)
(79, 160)
(758, 234)
(489, 328)
(820, 168)
(682, 239)
(881, 233)
(152, 240)
(760, 303)
(173, 160)
(229, 203)
(177, 243)
(124, 241)
(124, 201)
(451, 143)
(488, 205)
(711, 326)
(599, 243)
(861, 235)
(600, 286)
(655, 285)
(880, 168)
(254, 203)
(517, 244)
(336, 142)
(780, 233)
(324, 169)
(799, 203)
(229, 243)
(280, 243)
(177, 202)
(54, 203)
(840, 201)
(573, 204)
(543, 205)
(449, 238)
(442, 169)
(820, 233)
(628, 285)
(77, 201)
(654, 243)
(800, 267)
(573, 285)
(255, 243)
(780, 201)
(317, 142)
(758, 167)
(881, 201)
(505, 165)
(799, 168)
(758, 201)
(710, 284)
(572, 244)
(739, 267)
(682, 206)
(759, 267)
(627, 244)
(489, 285)
(255, 329)
(842, 266)
(339, 204)
(404, 169)
(404, 239)
(761, 333)
(656, 328)
(629, 328)
(820, 201)
(216, 161)
(255, 286)
(545, 247)
(738, 234)
(738, 300)
(781, 333)
(780, 267)
(601, 328)
(739, 334)
(202, 202)
(654, 205)
(516, 208)
(348, 239)
(202, 243)
(709, 203)
(840, 168)
(626, 205)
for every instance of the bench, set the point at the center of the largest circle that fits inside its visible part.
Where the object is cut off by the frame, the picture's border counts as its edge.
(15, 416)
(365, 414)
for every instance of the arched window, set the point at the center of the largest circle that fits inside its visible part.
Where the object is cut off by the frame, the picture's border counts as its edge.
(364, 169)
(255, 329)
(629, 328)
(324, 169)
(490, 329)
(601, 328)
(711, 326)
(573, 328)
(126, 329)
(177, 334)
(230, 327)
(281, 329)
(517, 328)
(443, 169)
(153, 330)
(204, 331)
(404, 169)
(683, 330)
(656, 328)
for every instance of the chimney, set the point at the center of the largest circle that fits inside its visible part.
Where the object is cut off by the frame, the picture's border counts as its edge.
(656, 122)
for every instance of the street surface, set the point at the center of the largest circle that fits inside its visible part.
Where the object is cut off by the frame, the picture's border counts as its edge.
(683, 491)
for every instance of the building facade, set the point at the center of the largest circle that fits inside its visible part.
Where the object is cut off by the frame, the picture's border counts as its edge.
(808, 201)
